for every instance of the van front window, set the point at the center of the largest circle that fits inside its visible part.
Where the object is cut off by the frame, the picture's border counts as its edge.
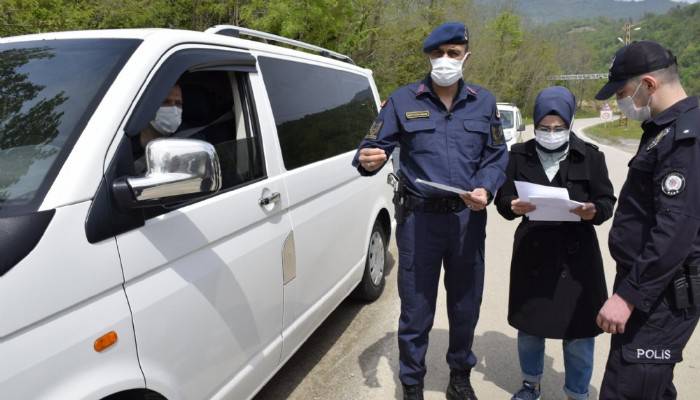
(48, 91)
(507, 119)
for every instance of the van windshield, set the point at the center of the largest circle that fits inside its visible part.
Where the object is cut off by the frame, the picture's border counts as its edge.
(48, 91)
(507, 119)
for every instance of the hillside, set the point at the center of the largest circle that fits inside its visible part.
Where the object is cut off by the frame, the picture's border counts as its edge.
(545, 11)
(588, 45)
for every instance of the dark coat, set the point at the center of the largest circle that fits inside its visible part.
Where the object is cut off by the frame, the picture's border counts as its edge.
(557, 284)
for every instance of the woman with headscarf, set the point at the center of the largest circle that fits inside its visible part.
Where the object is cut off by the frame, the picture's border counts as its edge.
(557, 284)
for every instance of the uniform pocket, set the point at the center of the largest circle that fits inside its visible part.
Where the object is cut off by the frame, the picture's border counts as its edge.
(478, 127)
(474, 139)
(419, 125)
(656, 339)
(641, 163)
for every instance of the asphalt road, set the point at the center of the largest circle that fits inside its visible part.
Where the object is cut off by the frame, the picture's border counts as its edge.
(354, 354)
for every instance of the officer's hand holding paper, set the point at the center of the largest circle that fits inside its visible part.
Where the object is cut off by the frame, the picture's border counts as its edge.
(476, 199)
(552, 203)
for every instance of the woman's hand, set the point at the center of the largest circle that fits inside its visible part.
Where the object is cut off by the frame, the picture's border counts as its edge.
(586, 211)
(520, 207)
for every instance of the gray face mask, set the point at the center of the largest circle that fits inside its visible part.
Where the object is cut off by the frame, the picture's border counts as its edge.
(551, 140)
(167, 120)
(631, 110)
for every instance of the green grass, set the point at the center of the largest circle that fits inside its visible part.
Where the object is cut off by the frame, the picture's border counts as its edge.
(587, 113)
(613, 130)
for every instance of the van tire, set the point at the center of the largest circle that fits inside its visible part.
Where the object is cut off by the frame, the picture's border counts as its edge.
(372, 284)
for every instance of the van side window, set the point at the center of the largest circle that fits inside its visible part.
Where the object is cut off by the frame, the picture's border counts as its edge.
(215, 107)
(319, 112)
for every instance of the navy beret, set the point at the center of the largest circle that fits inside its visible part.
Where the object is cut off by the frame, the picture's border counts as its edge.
(450, 32)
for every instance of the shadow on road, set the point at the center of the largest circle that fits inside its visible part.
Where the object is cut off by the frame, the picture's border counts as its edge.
(283, 384)
(498, 362)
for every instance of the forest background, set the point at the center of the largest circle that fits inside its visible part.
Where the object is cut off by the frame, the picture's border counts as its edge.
(517, 46)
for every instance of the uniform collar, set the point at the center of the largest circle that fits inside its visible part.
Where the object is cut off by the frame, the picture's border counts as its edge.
(426, 87)
(672, 113)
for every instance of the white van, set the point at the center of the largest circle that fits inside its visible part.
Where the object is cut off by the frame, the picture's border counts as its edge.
(513, 126)
(201, 276)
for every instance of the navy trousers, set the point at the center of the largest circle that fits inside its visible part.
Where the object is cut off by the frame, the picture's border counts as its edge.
(426, 242)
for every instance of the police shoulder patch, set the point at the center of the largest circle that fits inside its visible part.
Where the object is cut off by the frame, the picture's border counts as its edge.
(374, 129)
(497, 136)
(673, 183)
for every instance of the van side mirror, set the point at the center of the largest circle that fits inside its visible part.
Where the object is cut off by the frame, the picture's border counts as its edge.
(176, 170)
(521, 127)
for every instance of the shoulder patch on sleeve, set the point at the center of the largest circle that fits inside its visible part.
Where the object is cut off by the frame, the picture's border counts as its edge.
(374, 129)
(497, 136)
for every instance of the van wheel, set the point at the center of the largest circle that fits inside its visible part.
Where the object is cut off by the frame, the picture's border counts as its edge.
(372, 284)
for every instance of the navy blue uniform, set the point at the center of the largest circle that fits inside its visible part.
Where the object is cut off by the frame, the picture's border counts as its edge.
(656, 233)
(462, 147)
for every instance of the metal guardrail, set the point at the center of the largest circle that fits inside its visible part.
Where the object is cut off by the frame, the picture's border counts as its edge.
(577, 77)
(237, 31)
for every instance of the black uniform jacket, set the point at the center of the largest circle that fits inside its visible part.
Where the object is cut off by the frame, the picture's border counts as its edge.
(557, 285)
(656, 228)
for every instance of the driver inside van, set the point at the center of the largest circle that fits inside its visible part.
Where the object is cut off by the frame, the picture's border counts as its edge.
(165, 122)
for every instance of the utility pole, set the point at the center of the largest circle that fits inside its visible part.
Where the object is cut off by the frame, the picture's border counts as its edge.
(627, 33)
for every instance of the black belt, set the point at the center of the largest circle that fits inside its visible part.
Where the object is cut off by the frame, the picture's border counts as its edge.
(437, 205)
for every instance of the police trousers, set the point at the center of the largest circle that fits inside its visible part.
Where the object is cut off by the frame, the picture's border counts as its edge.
(641, 361)
(426, 242)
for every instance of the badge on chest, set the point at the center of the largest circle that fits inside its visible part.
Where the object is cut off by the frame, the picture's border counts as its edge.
(673, 183)
(658, 138)
(417, 114)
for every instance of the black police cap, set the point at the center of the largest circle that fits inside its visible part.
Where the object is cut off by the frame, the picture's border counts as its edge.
(637, 58)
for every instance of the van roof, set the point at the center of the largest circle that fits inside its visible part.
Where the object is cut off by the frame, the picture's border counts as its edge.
(172, 37)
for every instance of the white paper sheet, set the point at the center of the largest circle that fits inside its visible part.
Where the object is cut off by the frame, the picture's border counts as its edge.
(440, 186)
(552, 203)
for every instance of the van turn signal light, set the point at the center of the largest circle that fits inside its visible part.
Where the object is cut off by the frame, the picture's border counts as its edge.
(105, 341)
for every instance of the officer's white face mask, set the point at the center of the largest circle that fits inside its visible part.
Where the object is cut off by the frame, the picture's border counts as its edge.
(552, 140)
(631, 110)
(167, 120)
(446, 71)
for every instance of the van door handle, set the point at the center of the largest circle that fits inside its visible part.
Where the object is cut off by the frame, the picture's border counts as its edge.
(267, 200)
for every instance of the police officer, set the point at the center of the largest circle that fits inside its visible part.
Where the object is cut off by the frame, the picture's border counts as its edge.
(449, 133)
(655, 237)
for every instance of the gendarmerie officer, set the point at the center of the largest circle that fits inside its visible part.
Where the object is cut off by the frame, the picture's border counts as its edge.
(449, 133)
(654, 238)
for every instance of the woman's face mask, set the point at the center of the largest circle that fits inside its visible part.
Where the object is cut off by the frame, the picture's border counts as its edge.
(552, 139)
(167, 120)
(631, 110)
(446, 71)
